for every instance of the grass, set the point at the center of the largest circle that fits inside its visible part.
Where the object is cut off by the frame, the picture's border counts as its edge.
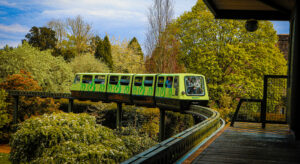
(4, 158)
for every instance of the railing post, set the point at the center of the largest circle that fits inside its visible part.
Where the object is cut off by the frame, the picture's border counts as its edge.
(162, 114)
(16, 109)
(236, 112)
(119, 116)
(263, 111)
(70, 106)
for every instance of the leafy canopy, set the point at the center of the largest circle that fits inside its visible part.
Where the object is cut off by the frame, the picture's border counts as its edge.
(52, 73)
(41, 37)
(233, 59)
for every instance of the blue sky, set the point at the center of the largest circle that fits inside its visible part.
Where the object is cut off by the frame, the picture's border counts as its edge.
(122, 19)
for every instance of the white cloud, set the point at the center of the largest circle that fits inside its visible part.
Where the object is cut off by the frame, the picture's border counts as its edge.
(13, 28)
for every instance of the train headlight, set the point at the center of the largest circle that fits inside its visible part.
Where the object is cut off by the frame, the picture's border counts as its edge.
(182, 92)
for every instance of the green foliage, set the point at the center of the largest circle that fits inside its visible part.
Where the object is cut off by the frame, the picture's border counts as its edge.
(233, 59)
(103, 51)
(125, 59)
(177, 122)
(135, 46)
(5, 118)
(52, 73)
(4, 158)
(88, 63)
(28, 106)
(68, 138)
(41, 37)
(165, 56)
(135, 141)
(67, 53)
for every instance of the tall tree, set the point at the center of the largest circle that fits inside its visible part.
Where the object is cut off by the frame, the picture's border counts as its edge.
(135, 46)
(107, 52)
(80, 33)
(59, 27)
(41, 37)
(165, 57)
(233, 59)
(160, 14)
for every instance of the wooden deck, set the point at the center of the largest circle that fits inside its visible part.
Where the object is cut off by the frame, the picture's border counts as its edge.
(249, 143)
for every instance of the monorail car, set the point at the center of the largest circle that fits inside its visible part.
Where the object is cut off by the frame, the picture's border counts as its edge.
(169, 91)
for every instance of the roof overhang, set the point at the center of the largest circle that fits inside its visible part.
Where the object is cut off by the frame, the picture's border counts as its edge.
(251, 9)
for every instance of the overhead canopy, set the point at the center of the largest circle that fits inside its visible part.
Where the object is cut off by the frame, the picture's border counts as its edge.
(251, 9)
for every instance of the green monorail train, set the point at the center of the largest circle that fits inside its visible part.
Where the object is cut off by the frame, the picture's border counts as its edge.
(174, 91)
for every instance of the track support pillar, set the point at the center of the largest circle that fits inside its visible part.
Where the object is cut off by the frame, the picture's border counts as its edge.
(119, 116)
(16, 109)
(162, 124)
(70, 105)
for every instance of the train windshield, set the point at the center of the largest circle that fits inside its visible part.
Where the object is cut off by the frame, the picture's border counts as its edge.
(194, 85)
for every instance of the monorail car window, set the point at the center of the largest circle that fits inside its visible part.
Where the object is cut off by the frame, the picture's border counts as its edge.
(77, 79)
(113, 80)
(138, 81)
(125, 80)
(176, 85)
(87, 79)
(99, 79)
(148, 81)
(169, 82)
(194, 85)
(160, 82)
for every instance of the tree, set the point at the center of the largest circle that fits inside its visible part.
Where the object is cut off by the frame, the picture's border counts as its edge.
(59, 27)
(135, 46)
(107, 52)
(103, 51)
(160, 14)
(233, 59)
(80, 33)
(28, 106)
(41, 37)
(125, 59)
(165, 57)
(52, 73)
(88, 63)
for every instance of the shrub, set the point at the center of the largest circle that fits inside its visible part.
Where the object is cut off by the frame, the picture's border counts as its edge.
(52, 73)
(69, 138)
(88, 63)
(5, 118)
(28, 106)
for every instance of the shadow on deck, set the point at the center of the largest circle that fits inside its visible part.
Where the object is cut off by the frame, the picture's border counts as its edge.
(249, 143)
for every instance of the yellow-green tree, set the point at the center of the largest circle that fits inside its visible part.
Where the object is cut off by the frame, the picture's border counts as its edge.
(88, 63)
(52, 73)
(125, 59)
(233, 59)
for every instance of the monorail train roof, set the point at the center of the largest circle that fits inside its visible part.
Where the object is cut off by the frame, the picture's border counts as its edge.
(164, 74)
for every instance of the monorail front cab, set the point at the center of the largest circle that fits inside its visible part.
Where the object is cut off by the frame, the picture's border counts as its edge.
(194, 91)
(179, 91)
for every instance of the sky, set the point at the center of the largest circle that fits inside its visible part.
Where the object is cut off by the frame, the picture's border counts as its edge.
(122, 19)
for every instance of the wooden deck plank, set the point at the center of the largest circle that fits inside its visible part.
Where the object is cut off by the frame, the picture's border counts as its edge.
(248, 143)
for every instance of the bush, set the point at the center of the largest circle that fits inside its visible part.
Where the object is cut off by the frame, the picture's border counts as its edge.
(88, 63)
(72, 138)
(28, 106)
(52, 73)
(5, 118)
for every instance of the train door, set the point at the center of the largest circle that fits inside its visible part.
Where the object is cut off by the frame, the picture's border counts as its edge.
(100, 83)
(113, 84)
(160, 87)
(87, 83)
(169, 86)
(149, 85)
(175, 89)
(125, 84)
